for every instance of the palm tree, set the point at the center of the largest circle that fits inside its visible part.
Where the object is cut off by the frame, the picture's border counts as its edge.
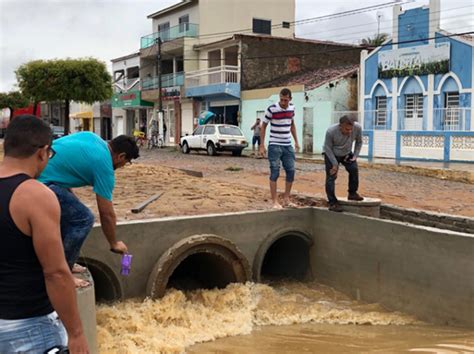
(375, 41)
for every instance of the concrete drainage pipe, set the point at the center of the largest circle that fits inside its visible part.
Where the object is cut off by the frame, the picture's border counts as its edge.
(283, 255)
(201, 261)
(107, 286)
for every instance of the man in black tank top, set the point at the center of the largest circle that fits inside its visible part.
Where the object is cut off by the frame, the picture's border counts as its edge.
(36, 284)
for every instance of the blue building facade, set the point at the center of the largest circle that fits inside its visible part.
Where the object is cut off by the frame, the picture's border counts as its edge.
(416, 92)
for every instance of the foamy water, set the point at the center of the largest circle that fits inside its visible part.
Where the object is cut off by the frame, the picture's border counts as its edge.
(179, 319)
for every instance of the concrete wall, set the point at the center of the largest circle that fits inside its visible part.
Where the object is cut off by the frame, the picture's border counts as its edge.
(148, 240)
(327, 100)
(218, 16)
(423, 271)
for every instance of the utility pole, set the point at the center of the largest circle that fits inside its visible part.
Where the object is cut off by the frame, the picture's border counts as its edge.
(379, 16)
(160, 96)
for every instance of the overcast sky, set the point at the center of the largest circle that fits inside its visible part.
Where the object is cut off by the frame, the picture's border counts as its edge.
(106, 29)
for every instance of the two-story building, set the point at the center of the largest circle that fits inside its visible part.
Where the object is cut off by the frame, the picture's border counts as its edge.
(195, 44)
(416, 90)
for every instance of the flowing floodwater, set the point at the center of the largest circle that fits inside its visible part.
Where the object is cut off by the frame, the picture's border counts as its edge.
(257, 318)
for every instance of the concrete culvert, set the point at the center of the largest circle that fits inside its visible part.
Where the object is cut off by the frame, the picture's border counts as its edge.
(284, 256)
(198, 262)
(106, 285)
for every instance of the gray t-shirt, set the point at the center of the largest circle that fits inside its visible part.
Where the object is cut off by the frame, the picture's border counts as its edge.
(256, 130)
(338, 144)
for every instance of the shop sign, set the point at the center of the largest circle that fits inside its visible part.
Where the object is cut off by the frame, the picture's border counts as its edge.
(419, 60)
(171, 93)
(129, 99)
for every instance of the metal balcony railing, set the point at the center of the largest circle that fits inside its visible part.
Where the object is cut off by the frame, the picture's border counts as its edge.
(123, 85)
(453, 118)
(377, 119)
(179, 31)
(215, 75)
(167, 80)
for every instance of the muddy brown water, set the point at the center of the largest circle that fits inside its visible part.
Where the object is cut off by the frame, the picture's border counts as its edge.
(282, 317)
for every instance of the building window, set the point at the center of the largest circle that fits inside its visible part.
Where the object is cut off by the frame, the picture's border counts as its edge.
(184, 23)
(118, 74)
(451, 116)
(261, 115)
(414, 106)
(285, 24)
(381, 111)
(164, 31)
(262, 26)
(214, 58)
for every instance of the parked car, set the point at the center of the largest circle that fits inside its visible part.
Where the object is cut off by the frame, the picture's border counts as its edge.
(214, 138)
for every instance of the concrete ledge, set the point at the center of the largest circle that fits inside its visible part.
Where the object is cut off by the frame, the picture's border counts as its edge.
(425, 218)
(86, 304)
(367, 207)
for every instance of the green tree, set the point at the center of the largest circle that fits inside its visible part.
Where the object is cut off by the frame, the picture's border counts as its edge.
(13, 100)
(374, 41)
(81, 80)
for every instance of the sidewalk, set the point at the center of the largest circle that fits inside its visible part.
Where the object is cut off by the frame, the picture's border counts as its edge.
(453, 171)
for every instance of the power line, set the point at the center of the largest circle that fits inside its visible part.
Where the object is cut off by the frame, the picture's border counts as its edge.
(346, 27)
(337, 50)
(344, 38)
(391, 20)
(319, 18)
(298, 22)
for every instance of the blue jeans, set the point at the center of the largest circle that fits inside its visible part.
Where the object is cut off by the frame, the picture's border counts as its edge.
(285, 154)
(32, 335)
(76, 222)
(353, 170)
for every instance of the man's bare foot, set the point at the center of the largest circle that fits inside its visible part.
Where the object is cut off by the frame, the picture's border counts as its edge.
(277, 205)
(77, 268)
(290, 204)
(81, 283)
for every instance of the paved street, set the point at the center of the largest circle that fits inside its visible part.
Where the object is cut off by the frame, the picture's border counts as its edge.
(403, 189)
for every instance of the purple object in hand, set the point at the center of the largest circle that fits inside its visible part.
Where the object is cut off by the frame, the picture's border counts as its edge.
(126, 264)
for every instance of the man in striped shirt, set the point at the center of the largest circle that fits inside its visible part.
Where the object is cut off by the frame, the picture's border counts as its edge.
(282, 126)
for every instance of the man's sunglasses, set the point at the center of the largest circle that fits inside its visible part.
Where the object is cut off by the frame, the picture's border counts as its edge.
(51, 151)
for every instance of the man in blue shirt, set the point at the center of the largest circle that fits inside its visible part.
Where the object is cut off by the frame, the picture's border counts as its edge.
(84, 159)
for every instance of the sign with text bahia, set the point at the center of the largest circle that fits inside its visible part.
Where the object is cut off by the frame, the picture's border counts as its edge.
(419, 60)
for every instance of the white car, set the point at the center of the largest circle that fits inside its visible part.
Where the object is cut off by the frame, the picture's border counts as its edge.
(214, 138)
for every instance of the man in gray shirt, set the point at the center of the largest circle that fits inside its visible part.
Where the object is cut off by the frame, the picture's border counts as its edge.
(338, 149)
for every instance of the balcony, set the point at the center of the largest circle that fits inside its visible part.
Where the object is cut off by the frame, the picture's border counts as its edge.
(220, 80)
(454, 118)
(179, 31)
(167, 80)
